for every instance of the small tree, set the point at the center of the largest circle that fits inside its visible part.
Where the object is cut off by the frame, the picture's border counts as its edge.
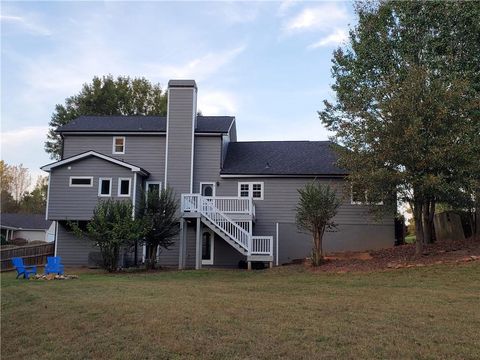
(317, 205)
(160, 217)
(111, 228)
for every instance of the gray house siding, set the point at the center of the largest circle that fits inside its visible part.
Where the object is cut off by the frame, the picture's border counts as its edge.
(73, 250)
(77, 203)
(207, 160)
(182, 105)
(145, 151)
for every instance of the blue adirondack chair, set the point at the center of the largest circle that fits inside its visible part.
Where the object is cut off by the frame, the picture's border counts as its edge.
(22, 269)
(54, 265)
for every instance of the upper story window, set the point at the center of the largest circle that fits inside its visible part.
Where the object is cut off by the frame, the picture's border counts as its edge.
(118, 145)
(124, 187)
(360, 196)
(81, 181)
(251, 189)
(153, 186)
(105, 187)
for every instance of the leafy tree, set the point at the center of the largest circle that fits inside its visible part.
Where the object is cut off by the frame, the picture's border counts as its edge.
(106, 96)
(112, 228)
(317, 205)
(35, 201)
(20, 181)
(159, 213)
(407, 102)
(7, 203)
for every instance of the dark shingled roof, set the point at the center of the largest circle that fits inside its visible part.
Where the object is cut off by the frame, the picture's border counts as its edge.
(24, 221)
(281, 158)
(205, 124)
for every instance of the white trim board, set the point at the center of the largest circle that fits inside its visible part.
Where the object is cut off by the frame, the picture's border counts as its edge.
(100, 187)
(120, 186)
(80, 177)
(51, 166)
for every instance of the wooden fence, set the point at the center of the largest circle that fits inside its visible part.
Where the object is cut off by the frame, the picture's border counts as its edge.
(31, 254)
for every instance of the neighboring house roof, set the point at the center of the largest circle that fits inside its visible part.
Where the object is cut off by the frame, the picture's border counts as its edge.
(282, 158)
(24, 221)
(98, 155)
(124, 124)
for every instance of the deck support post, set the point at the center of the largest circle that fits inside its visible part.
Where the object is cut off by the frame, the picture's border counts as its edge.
(198, 252)
(249, 265)
(271, 264)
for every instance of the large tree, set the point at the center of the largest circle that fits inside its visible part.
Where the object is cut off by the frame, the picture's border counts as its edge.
(106, 96)
(407, 101)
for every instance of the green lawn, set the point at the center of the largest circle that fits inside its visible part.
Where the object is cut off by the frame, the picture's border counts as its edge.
(422, 313)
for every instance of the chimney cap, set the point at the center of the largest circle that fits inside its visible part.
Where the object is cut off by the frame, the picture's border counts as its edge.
(182, 84)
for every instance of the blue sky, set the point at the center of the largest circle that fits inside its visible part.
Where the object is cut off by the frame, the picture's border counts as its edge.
(267, 63)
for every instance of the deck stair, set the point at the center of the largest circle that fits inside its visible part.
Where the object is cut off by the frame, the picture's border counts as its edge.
(231, 219)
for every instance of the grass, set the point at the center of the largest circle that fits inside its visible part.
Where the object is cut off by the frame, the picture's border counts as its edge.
(421, 313)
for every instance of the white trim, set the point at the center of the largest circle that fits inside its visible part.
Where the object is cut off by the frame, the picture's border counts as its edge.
(166, 140)
(212, 237)
(113, 145)
(134, 194)
(233, 121)
(250, 189)
(100, 187)
(56, 238)
(276, 245)
(159, 183)
(48, 167)
(120, 187)
(227, 176)
(81, 177)
(116, 133)
(214, 187)
(48, 196)
(194, 120)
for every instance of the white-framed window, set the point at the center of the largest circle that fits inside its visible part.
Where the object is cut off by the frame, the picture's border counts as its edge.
(124, 187)
(118, 146)
(360, 196)
(153, 186)
(105, 187)
(81, 181)
(207, 188)
(251, 189)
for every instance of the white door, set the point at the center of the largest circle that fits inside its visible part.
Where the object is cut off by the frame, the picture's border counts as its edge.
(207, 247)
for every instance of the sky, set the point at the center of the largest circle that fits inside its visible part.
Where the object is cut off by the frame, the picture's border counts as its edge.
(266, 63)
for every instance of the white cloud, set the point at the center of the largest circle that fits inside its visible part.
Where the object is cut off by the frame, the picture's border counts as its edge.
(199, 68)
(28, 24)
(215, 102)
(337, 37)
(322, 17)
(236, 12)
(285, 6)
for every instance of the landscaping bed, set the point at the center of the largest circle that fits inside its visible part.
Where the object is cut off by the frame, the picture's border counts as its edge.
(403, 256)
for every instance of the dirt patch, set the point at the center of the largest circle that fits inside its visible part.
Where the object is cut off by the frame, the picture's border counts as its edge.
(402, 257)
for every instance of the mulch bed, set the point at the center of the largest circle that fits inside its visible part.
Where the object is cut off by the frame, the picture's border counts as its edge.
(403, 256)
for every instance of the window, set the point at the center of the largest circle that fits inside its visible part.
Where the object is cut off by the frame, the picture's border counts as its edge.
(361, 196)
(152, 186)
(118, 145)
(124, 187)
(207, 189)
(254, 190)
(81, 181)
(105, 187)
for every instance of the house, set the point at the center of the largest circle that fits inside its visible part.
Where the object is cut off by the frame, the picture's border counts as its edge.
(30, 227)
(237, 198)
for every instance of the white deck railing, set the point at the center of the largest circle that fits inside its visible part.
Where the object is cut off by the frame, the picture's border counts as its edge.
(262, 245)
(218, 210)
(226, 204)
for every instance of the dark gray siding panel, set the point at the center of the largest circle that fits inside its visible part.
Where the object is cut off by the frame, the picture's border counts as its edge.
(224, 254)
(72, 250)
(145, 151)
(207, 160)
(77, 203)
(293, 244)
(179, 142)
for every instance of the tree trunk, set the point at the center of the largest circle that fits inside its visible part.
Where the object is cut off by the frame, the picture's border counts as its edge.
(317, 253)
(428, 214)
(417, 216)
